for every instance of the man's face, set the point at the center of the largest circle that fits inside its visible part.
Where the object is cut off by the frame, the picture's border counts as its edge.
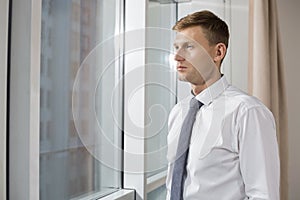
(194, 56)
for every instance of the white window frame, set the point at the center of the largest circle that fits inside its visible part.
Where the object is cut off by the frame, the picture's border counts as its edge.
(4, 14)
(135, 19)
(24, 100)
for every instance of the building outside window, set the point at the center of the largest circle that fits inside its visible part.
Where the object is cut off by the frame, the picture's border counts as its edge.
(71, 31)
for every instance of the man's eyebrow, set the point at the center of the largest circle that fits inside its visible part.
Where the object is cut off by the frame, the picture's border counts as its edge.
(182, 42)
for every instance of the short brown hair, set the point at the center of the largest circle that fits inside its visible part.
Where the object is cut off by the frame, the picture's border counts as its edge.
(214, 28)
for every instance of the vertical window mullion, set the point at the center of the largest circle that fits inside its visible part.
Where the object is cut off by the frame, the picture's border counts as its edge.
(24, 100)
(4, 14)
(134, 97)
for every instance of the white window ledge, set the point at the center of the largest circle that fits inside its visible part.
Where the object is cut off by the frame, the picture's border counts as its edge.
(123, 194)
(108, 194)
(155, 181)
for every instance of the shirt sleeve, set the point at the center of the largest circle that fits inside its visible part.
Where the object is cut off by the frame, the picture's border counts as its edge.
(258, 152)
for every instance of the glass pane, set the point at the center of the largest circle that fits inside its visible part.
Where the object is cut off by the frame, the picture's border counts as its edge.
(157, 194)
(77, 129)
(161, 83)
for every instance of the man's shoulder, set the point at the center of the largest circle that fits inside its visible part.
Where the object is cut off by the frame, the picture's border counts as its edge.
(244, 100)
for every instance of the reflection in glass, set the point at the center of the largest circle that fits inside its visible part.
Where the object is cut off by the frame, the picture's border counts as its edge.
(71, 29)
(161, 90)
(157, 194)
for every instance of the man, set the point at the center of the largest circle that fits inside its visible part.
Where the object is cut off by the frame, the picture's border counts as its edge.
(223, 147)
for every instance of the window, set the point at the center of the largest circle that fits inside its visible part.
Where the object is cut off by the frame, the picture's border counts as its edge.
(65, 98)
(77, 82)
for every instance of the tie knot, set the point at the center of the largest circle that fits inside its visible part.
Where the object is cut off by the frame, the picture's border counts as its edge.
(194, 103)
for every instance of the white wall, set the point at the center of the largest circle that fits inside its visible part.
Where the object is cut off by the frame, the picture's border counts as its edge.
(290, 30)
(238, 44)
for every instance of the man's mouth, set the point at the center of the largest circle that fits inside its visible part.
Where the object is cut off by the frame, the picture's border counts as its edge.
(181, 68)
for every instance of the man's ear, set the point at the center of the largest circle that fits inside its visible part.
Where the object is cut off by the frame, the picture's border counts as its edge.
(220, 52)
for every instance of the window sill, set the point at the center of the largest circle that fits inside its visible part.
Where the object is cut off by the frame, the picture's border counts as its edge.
(155, 181)
(109, 194)
(124, 194)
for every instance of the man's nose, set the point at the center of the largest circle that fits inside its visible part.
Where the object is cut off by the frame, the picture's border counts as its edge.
(178, 56)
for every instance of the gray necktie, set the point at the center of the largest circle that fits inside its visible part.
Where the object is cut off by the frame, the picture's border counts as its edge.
(179, 170)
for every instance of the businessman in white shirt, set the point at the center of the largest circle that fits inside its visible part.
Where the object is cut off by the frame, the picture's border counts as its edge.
(232, 151)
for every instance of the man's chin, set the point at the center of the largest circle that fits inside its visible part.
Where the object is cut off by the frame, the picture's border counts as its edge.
(182, 78)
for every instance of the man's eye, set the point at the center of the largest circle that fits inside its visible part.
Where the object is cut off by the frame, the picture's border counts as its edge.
(189, 46)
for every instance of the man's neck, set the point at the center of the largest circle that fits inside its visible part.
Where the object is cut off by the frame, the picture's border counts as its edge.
(197, 89)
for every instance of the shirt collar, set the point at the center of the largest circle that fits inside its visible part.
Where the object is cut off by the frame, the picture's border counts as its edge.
(213, 91)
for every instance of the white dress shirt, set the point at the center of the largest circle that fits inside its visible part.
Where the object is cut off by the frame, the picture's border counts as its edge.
(233, 152)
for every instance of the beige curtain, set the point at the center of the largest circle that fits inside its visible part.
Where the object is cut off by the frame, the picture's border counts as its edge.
(266, 73)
